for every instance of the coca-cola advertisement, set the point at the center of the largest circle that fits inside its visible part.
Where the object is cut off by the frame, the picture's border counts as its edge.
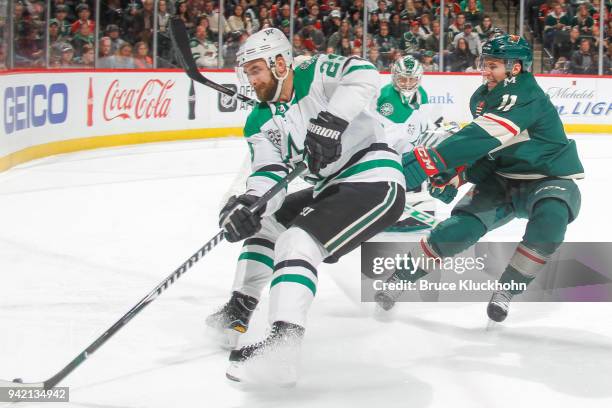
(135, 100)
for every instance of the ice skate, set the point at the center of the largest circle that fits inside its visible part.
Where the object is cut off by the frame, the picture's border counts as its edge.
(272, 361)
(232, 320)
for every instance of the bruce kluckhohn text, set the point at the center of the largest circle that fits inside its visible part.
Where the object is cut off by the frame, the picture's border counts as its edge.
(461, 285)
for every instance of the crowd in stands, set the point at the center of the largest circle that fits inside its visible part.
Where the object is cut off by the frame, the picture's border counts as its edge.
(570, 33)
(394, 27)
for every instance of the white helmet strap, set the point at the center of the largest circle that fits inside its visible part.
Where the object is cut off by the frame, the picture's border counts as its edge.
(281, 80)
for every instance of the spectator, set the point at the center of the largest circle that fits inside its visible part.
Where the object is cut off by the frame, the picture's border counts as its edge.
(457, 26)
(432, 43)
(285, 14)
(112, 32)
(333, 23)
(385, 43)
(344, 31)
(382, 11)
(565, 45)
(238, 21)
(142, 60)
(314, 40)
(164, 45)
(230, 48)
(29, 49)
(356, 52)
(181, 10)
(112, 13)
(409, 12)
(214, 19)
(105, 48)
(461, 58)
(396, 28)
(54, 32)
(484, 28)
(345, 48)
(415, 29)
(67, 56)
(84, 14)
(556, 21)
(163, 17)
(61, 11)
(3, 66)
(203, 50)
(584, 59)
(471, 37)
(375, 58)
(133, 23)
(120, 60)
(473, 12)
(560, 66)
(373, 23)
(583, 20)
(298, 45)
(410, 44)
(81, 38)
(425, 28)
(427, 62)
(148, 20)
(86, 59)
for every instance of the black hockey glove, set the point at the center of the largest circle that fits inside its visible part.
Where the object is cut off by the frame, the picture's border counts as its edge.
(323, 145)
(237, 220)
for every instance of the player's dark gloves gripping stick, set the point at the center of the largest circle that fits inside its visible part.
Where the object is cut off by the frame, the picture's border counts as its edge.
(237, 220)
(323, 143)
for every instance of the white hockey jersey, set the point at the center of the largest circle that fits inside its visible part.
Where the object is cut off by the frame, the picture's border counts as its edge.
(345, 87)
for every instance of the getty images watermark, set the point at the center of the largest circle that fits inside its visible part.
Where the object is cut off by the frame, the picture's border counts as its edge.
(576, 272)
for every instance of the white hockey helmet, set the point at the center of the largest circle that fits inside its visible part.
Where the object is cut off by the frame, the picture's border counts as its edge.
(266, 44)
(406, 75)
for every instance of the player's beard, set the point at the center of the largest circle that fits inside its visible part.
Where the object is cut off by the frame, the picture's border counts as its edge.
(266, 94)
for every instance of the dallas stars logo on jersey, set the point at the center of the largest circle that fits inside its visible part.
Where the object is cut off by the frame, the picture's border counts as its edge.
(386, 109)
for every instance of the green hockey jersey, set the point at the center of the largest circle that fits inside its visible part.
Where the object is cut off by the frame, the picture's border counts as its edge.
(516, 125)
(403, 122)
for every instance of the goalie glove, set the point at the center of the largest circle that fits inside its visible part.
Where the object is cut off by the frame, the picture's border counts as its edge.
(444, 186)
(323, 144)
(237, 220)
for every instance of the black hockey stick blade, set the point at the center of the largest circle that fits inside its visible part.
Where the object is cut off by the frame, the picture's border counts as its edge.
(180, 39)
(153, 294)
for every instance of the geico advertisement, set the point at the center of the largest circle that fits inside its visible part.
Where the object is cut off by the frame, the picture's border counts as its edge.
(32, 107)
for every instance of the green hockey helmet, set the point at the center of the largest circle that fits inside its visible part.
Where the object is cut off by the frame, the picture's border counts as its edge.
(510, 48)
(406, 75)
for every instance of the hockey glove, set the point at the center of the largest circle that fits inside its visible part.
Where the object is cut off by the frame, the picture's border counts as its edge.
(237, 220)
(419, 164)
(444, 186)
(323, 144)
(480, 171)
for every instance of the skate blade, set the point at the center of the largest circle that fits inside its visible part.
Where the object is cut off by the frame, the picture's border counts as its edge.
(382, 315)
(492, 326)
(227, 339)
(262, 371)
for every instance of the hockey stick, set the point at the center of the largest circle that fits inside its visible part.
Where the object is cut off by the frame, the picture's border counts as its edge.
(151, 296)
(421, 216)
(180, 39)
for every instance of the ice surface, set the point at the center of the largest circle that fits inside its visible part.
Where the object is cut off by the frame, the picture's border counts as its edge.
(84, 236)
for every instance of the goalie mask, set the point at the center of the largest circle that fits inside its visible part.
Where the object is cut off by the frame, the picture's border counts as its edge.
(406, 75)
(266, 44)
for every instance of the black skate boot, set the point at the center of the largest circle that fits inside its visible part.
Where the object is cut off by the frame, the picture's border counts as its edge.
(233, 318)
(497, 310)
(273, 360)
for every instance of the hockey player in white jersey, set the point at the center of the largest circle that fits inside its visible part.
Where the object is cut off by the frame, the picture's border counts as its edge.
(408, 122)
(323, 112)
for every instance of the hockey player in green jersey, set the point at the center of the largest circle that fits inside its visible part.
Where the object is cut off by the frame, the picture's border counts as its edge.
(520, 161)
(320, 112)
